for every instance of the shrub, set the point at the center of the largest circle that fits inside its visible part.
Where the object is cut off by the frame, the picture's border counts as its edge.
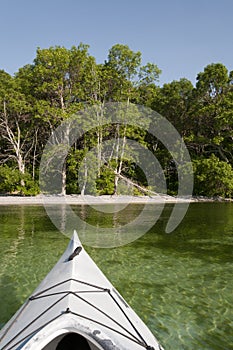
(12, 181)
(213, 177)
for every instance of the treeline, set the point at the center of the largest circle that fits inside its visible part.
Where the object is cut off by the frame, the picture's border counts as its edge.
(61, 82)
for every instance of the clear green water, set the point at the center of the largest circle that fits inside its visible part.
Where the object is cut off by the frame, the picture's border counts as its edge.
(180, 284)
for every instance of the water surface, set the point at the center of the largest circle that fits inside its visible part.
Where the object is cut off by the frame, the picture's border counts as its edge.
(180, 284)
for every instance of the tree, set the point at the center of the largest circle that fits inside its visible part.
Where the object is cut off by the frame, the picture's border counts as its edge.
(173, 102)
(212, 113)
(17, 130)
(146, 88)
(61, 81)
(213, 177)
(149, 74)
(212, 82)
(124, 60)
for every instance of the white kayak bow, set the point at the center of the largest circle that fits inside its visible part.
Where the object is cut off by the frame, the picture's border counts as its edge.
(76, 307)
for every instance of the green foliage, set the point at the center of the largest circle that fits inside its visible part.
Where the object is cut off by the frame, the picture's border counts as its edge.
(174, 101)
(213, 177)
(149, 74)
(105, 182)
(9, 179)
(124, 60)
(73, 160)
(213, 81)
(30, 187)
(12, 181)
(62, 81)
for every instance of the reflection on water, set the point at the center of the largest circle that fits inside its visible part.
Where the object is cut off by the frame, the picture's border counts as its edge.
(180, 284)
(105, 225)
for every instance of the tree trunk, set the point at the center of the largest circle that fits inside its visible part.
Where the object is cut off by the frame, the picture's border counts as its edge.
(119, 157)
(85, 178)
(34, 156)
(21, 166)
(116, 179)
(63, 188)
(99, 148)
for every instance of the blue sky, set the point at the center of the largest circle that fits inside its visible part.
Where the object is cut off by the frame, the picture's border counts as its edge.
(180, 36)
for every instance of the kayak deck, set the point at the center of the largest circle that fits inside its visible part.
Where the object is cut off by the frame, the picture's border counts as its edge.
(76, 307)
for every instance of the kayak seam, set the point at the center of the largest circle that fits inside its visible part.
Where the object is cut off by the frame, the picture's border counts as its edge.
(128, 319)
(105, 314)
(40, 295)
(67, 293)
(130, 336)
(30, 334)
(137, 341)
(14, 320)
(65, 281)
(29, 324)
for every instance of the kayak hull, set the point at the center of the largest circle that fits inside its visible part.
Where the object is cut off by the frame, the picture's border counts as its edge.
(76, 306)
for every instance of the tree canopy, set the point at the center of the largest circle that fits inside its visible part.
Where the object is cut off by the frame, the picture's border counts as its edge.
(61, 82)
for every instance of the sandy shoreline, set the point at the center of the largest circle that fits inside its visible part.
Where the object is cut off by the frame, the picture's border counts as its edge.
(78, 199)
(88, 200)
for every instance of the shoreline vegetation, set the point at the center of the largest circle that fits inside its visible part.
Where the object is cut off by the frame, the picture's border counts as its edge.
(102, 200)
(111, 127)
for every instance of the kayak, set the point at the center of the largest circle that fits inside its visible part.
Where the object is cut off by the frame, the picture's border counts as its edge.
(76, 307)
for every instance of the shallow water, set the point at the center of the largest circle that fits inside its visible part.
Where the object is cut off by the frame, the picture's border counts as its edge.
(180, 283)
